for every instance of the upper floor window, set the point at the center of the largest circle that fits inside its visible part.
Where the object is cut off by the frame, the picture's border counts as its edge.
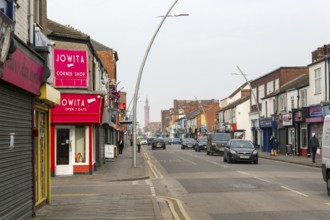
(253, 96)
(303, 97)
(7, 7)
(270, 87)
(292, 102)
(261, 92)
(277, 84)
(317, 73)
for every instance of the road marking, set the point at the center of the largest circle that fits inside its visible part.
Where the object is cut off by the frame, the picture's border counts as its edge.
(73, 195)
(154, 170)
(187, 160)
(267, 181)
(294, 191)
(152, 188)
(172, 202)
(242, 172)
(146, 156)
(327, 204)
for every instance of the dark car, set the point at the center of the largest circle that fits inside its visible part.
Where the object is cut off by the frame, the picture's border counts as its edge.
(149, 140)
(188, 143)
(216, 143)
(200, 144)
(167, 140)
(241, 151)
(158, 143)
(176, 141)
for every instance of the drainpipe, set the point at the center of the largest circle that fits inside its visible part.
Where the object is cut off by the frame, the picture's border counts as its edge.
(31, 23)
(325, 79)
(328, 61)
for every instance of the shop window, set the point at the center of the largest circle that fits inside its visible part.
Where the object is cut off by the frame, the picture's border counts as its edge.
(80, 142)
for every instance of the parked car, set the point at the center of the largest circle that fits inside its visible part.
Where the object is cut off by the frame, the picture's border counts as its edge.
(216, 143)
(200, 144)
(176, 141)
(144, 141)
(187, 143)
(167, 140)
(158, 143)
(241, 151)
(149, 140)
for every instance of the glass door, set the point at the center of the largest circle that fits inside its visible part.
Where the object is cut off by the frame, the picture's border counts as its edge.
(64, 150)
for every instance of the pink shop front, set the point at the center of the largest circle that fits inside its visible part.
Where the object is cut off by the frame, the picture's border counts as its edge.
(73, 133)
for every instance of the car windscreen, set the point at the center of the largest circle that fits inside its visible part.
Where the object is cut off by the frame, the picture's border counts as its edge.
(202, 139)
(221, 137)
(189, 140)
(242, 144)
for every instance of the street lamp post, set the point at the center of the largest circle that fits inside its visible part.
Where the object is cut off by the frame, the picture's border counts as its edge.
(203, 112)
(139, 80)
(253, 95)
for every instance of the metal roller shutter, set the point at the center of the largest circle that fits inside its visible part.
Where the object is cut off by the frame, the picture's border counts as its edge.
(16, 170)
(100, 141)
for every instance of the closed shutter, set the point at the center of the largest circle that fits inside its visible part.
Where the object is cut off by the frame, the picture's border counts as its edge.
(16, 194)
(100, 146)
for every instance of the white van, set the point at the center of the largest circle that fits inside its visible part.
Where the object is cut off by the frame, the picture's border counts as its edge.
(326, 152)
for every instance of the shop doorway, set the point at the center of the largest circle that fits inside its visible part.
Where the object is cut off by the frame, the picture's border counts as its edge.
(64, 143)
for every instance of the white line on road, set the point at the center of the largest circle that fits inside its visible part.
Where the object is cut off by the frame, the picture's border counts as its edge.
(267, 181)
(184, 159)
(302, 194)
(242, 172)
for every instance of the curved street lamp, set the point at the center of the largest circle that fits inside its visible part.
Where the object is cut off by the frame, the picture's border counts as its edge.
(200, 105)
(139, 80)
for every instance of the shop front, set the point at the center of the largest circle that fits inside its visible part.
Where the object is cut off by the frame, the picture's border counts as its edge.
(300, 131)
(315, 124)
(74, 125)
(20, 81)
(267, 132)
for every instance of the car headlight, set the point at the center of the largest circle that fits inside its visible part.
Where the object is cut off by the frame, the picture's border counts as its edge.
(232, 151)
(214, 144)
(255, 152)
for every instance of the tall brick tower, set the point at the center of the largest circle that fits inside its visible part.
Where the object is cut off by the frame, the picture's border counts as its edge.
(146, 113)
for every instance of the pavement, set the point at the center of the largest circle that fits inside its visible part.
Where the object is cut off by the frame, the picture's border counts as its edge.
(116, 190)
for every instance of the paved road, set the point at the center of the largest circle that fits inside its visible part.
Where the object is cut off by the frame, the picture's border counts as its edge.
(208, 188)
(183, 184)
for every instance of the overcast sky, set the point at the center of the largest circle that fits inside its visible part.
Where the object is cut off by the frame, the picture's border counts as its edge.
(195, 55)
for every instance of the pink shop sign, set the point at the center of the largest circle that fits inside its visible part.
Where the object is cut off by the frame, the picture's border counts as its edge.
(70, 68)
(23, 71)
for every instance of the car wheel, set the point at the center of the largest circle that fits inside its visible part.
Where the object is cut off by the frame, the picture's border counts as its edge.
(207, 152)
(212, 153)
(256, 161)
(328, 184)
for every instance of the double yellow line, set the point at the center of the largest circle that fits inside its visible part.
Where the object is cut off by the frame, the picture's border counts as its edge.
(176, 207)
